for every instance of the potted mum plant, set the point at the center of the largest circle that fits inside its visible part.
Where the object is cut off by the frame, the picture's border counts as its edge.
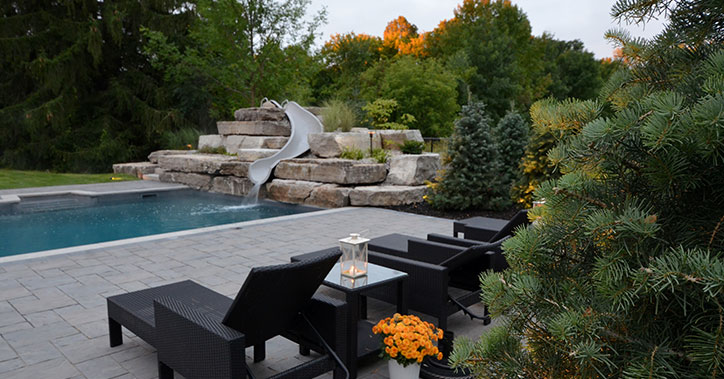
(406, 341)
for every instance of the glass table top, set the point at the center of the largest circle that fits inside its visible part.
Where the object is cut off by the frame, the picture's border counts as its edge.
(376, 275)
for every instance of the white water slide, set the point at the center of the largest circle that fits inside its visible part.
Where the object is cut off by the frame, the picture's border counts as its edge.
(302, 122)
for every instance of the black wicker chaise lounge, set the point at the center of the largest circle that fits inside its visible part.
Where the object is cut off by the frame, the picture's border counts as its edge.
(200, 333)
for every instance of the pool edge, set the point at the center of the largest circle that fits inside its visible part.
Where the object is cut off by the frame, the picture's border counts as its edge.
(182, 233)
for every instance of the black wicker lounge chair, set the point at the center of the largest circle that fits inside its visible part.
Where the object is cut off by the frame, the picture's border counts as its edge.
(489, 229)
(443, 278)
(200, 333)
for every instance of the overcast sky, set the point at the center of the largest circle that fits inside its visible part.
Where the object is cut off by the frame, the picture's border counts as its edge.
(586, 20)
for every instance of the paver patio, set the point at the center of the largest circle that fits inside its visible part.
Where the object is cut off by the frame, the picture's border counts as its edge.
(53, 310)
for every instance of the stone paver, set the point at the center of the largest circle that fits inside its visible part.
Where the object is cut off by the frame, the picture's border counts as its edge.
(53, 320)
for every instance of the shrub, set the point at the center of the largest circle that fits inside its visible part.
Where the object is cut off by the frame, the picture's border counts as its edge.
(473, 177)
(179, 139)
(352, 153)
(214, 150)
(511, 137)
(338, 115)
(383, 114)
(379, 155)
(553, 121)
(412, 147)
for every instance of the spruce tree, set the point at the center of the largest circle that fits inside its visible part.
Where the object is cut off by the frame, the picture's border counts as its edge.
(76, 93)
(623, 274)
(473, 176)
(511, 138)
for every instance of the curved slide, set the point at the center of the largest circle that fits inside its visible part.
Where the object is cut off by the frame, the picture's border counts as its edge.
(302, 122)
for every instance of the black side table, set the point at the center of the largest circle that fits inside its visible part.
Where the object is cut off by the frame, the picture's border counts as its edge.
(360, 339)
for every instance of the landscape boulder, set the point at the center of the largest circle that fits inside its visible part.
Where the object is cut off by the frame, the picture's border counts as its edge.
(339, 171)
(384, 196)
(331, 145)
(393, 139)
(412, 169)
(290, 191)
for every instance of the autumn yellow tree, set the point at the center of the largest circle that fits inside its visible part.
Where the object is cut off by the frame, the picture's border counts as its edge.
(402, 38)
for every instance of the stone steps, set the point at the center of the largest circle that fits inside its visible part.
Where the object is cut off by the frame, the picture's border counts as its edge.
(232, 143)
(260, 114)
(137, 169)
(254, 128)
(250, 155)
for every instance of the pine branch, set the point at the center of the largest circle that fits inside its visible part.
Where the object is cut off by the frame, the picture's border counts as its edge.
(716, 230)
(558, 190)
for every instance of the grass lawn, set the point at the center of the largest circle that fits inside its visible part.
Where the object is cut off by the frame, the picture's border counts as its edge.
(22, 179)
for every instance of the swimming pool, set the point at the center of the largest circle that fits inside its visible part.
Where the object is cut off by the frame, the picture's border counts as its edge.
(53, 222)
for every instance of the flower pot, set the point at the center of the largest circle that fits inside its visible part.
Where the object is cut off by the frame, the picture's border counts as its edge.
(397, 371)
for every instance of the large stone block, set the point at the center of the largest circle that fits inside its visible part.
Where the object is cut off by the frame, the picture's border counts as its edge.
(137, 169)
(340, 171)
(260, 114)
(250, 155)
(210, 141)
(382, 196)
(412, 170)
(331, 145)
(254, 128)
(234, 168)
(231, 185)
(195, 181)
(393, 139)
(256, 142)
(198, 163)
(329, 196)
(290, 191)
(153, 157)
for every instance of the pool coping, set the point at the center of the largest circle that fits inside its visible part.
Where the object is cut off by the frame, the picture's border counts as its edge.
(154, 237)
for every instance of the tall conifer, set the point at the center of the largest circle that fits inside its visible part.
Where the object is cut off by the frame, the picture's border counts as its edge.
(76, 92)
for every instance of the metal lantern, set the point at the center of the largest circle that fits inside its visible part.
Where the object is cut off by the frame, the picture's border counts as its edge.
(354, 256)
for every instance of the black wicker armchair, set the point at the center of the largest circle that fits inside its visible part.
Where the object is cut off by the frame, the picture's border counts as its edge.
(200, 333)
(443, 278)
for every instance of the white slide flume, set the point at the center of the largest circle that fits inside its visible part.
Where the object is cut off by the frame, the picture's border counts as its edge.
(302, 123)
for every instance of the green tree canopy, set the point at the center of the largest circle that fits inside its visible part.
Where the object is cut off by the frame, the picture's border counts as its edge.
(424, 89)
(75, 91)
(243, 51)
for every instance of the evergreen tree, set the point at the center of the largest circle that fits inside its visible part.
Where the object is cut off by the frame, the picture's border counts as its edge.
(511, 138)
(623, 275)
(75, 91)
(472, 179)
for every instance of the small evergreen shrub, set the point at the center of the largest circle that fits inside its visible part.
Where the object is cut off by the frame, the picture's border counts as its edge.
(473, 178)
(412, 147)
(352, 153)
(511, 137)
(338, 115)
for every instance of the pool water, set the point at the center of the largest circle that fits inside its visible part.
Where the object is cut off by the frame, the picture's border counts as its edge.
(111, 220)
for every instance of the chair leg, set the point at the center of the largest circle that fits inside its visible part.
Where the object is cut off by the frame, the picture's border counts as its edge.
(303, 350)
(114, 333)
(259, 352)
(446, 344)
(164, 372)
